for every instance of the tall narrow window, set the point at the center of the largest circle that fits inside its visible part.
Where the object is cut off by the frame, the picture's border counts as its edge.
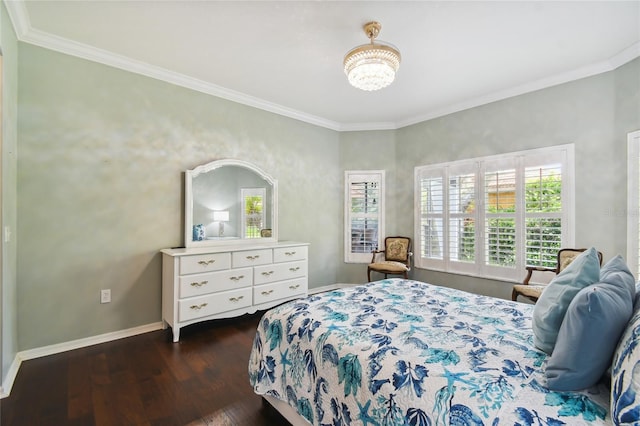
(364, 214)
(253, 215)
(492, 216)
(633, 200)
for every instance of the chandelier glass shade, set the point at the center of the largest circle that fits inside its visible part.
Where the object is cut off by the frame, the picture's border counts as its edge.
(372, 66)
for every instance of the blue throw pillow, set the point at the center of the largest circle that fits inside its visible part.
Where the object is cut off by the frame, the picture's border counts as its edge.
(616, 271)
(554, 301)
(588, 337)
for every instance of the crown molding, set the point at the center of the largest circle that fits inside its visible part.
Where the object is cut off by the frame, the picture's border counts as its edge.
(356, 127)
(627, 55)
(19, 17)
(25, 33)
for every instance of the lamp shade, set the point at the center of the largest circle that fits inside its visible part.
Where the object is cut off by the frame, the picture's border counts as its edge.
(221, 216)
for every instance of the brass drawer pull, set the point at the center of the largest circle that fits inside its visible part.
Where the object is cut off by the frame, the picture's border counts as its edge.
(253, 257)
(289, 253)
(198, 307)
(235, 299)
(238, 278)
(293, 287)
(267, 273)
(297, 268)
(200, 284)
(206, 262)
(266, 293)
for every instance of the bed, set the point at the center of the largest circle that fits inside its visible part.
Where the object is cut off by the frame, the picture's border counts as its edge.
(404, 352)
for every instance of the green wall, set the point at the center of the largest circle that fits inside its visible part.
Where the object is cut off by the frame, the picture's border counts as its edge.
(103, 151)
(100, 188)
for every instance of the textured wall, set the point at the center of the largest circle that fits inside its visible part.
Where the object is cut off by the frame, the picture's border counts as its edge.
(101, 188)
(582, 112)
(100, 182)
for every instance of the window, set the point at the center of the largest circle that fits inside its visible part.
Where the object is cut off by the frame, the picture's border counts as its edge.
(633, 200)
(252, 211)
(491, 216)
(364, 214)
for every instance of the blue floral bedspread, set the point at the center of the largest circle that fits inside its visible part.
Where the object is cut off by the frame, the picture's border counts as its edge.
(402, 352)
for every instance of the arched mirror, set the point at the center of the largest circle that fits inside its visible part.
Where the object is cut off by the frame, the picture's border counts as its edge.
(229, 202)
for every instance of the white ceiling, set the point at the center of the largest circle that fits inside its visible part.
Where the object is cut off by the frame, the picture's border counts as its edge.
(286, 56)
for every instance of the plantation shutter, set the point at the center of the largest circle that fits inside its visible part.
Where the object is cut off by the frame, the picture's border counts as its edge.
(462, 216)
(491, 216)
(364, 215)
(431, 221)
(543, 214)
(500, 188)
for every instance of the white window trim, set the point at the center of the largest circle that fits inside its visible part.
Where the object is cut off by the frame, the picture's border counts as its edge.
(479, 269)
(371, 175)
(633, 203)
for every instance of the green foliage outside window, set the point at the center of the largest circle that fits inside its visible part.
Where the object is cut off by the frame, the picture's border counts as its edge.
(253, 214)
(543, 235)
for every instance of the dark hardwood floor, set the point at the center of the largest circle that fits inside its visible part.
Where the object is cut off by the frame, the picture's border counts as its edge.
(145, 380)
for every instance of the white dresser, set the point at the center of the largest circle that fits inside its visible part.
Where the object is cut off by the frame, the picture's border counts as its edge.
(205, 283)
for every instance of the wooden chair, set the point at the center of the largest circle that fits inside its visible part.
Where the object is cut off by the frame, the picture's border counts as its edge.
(265, 233)
(533, 291)
(395, 259)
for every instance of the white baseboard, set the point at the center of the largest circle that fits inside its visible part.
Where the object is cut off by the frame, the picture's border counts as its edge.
(7, 384)
(11, 377)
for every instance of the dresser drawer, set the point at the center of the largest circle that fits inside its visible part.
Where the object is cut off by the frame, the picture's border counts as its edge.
(199, 284)
(279, 271)
(287, 254)
(241, 259)
(280, 290)
(204, 263)
(215, 303)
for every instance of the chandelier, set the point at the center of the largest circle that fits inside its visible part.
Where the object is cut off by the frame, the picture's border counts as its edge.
(372, 66)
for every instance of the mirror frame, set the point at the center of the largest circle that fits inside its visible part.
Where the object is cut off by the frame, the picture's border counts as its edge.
(188, 205)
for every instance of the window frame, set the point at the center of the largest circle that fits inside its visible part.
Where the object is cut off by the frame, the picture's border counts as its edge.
(519, 161)
(351, 176)
(633, 202)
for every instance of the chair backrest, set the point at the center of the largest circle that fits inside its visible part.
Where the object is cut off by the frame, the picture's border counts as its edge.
(567, 255)
(397, 249)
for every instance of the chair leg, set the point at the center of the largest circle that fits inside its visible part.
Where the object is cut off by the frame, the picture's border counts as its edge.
(369, 275)
(514, 295)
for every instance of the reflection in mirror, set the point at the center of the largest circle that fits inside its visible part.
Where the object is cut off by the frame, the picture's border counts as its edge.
(229, 201)
(253, 212)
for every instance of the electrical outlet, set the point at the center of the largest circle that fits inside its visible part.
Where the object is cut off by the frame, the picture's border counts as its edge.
(105, 296)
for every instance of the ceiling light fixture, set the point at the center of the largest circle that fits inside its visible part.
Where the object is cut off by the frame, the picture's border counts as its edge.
(372, 66)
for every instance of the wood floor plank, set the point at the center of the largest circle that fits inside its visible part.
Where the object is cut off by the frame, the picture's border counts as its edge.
(145, 380)
(79, 387)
